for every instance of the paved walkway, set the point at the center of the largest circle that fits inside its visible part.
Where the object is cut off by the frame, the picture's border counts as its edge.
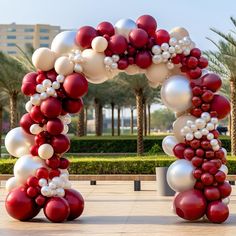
(115, 209)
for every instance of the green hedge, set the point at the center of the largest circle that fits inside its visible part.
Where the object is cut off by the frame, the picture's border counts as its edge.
(114, 165)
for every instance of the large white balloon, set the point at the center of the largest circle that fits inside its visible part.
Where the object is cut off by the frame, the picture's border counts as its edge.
(26, 166)
(176, 93)
(64, 42)
(124, 26)
(180, 175)
(18, 142)
(179, 124)
(168, 143)
(157, 73)
(12, 183)
(179, 33)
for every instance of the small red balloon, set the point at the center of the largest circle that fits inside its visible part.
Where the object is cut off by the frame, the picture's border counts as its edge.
(143, 59)
(54, 173)
(34, 150)
(217, 212)
(162, 36)
(123, 63)
(30, 78)
(202, 62)
(221, 105)
(147, 23)
(194, 73)
(85, 35)
(55, 126)
(36, 114)
(53, 162)
(32, 181)
(189, 153)
(138, 38)
(52, 75)
(105, 28)
(32, 192)
(40, 200)
(72, 105)
(26, 122)
(51, 107)
(28, 89)
(60, 143)
(192, 62)
(42, 173)
(118, 44)
(211, 81)
(212, 193)
(196, 52)
(179, 150)
(225, 189)
(64, 163)
(207, 179)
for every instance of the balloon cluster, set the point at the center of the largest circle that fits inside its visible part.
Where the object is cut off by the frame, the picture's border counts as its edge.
(95, 55)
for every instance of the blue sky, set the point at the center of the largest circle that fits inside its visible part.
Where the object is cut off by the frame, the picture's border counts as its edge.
(197, 16)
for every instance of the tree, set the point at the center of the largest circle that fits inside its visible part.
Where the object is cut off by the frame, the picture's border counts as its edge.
(222, 62)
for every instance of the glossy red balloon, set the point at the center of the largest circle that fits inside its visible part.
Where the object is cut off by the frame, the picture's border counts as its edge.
(105, 28)
(51, 107)
(32, 181)
(202, 62)
(179, 150)
(57, 209)
(72, 105)
(220, 176)
(54, 173)
(217, 212)
(40, 139)
(143, 59)
(207, 179)
(30, 78)
(147, 23)
(162, 36)
(28, 89)
(53, 162)
(52, 75)
(221, 105)
(60, 143)
(42, 173)
(34, 150)
(54, 126)
(20, 206)
(190, 205)
(225, 189)
(64, 163)
(117, 44)
(75, 85)
(138, 38)
(194, 73)
(36, 114)
(212, 193)
(189, 153)
(123, 63)
(211, 81)
(26, 122)
(40, 200)
(195, 52)
(85, 35)
(76, 203)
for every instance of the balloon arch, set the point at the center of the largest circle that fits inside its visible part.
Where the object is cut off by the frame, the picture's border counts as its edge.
(198, 176)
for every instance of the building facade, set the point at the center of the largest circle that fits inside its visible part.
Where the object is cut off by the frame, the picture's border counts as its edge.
(26, 36)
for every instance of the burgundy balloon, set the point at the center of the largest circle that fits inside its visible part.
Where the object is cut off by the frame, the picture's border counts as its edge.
(117, 44)
(225, 189)
(85, 35)
(123, 63)
(53, 162)
(20, 206)
(72, 105)
(34, 150)
(105, 28)
(147, 23)
(40, 139)
(143, 59)
(218, 103)
(54, 126)
(51, 107)
(64, 163)
(42, 173)
(162, 36)
(60, 143)
(212, 193)
(195, 52)
(179, 150)
(28, 89)
(52, 75)
(30, 78)
(75, 85)
(57, 209)
(36, 114)
(26, 122)
(76, 203)
(54, 173)
(190, 205)
(138, 38)
(217, 212)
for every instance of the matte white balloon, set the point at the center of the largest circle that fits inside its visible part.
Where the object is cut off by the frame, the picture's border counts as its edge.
(224, 169)
(157, 73)
(99, 44)
(124, 26)
(26, 166)
(176, 93)
(168, 144)
(18, 142)
(180, 175)
(45, 151)
(12, 183)
(64, 42)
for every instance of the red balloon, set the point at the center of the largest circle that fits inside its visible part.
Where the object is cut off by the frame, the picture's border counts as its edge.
(207, 179)
(123, 63)
(200, 152)
(195, 143)
(55, 126)
(138, 38)
(225, 189)
(192, 62)
(32, 181)
(34, 150)
(85, 35)
(51, 107)
(147, 23)
(53, 162)
(194, 73)
(212, 193)
(57, 209)
(220, 176)
(143, 59)
(190, 205)
(30, 78)
(40, 200)
(197, 173)
(202, 62)
(40, 78)
(105, 28)
(28, 89)
(221, 105)
(162, 36)
(40, 139)
(36, 114)
(42, 173)
(76, 203)
(54, 173)
(32, 192)
(52, 75)
(179, 150)
(195, 52)
(72, 105)
(197, 161)
(211, 81)
(217, 212)
(64, 163)
(207, 96)
(20, 206)
(189, 153)
(117, 44)
(26, 122)
(60, 143)
(75, 85)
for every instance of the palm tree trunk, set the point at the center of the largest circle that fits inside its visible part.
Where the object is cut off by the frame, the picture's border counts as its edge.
(112, 119)
(13, 110)
(85, 120)
(118, 121)
(80, 132)
(139, 105)
(131, 120)
(233, 116)
(1, 109)
(144, 117)
(100, 120)
(97, 116)
(149, 119)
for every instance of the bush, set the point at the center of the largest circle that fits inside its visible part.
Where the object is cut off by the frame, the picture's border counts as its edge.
(155, 149)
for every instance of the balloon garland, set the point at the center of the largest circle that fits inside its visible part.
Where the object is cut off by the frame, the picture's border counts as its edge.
(95, 55)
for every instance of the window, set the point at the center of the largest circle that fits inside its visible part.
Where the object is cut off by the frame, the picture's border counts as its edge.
(28, 37)
(11, 44)
(11, 52)
(11, 30)
(29, 30)
(44, 45)
(11, 37)
(44, 30)
(44, 37)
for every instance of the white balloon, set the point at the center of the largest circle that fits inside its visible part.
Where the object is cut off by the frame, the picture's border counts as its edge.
(180, 175)
(64, 42)
(176, 93)
(28, 106)
(45, 151)
(179, 33)
(157, 73)
(26, 166)
(224, 169)
(132, 70)
(226, 200)
(124, 26)
(168, 143)
(64, 66)
(18, 142)
(12, 183)
(99, 44)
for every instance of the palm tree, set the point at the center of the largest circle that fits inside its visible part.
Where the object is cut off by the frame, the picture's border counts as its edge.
(222, 62)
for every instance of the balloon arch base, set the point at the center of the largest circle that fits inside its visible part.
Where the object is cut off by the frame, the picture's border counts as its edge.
(170, 59)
